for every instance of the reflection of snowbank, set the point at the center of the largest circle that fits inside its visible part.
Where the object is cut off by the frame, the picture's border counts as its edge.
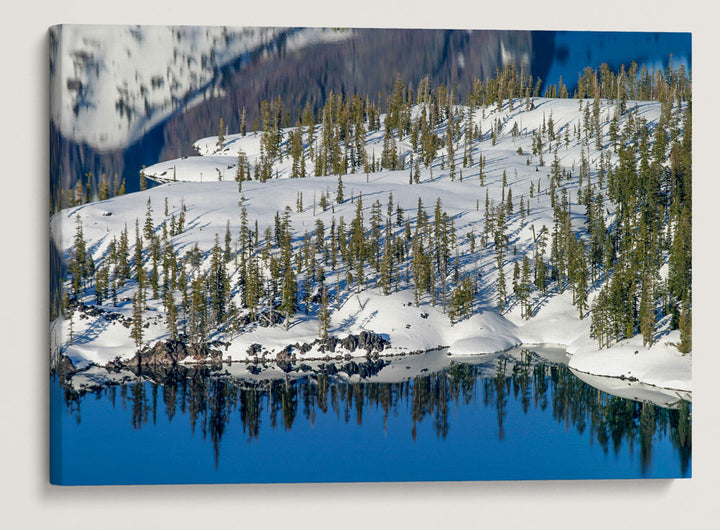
(394, 369)
(389, 370)
(96, 377)
(634, 390)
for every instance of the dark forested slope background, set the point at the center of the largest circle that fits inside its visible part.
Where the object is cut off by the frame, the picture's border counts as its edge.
(369, 62)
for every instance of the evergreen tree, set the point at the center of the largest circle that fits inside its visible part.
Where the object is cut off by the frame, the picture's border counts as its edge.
(324, 315)
(103, 188)
(170, 314)
(78, 268)
(136, 330)
(227, 255)
(647, 312)
(221, 132)
(197, 313)
(148, 226)
(143, 181)
(685, 345)
(289, 295)
(340, 197)
(139, 271)
(219, 284)
(501, 290)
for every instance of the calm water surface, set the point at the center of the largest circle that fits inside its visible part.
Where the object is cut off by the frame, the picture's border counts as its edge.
(428, 417)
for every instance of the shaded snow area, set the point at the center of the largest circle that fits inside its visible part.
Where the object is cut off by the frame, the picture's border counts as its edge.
(111, 84)
(205, 185)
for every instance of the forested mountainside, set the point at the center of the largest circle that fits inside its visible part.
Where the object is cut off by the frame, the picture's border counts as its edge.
(111, 114)
(422, 219)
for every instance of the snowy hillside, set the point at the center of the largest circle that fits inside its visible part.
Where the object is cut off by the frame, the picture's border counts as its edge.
(455, 187)
(111, 84)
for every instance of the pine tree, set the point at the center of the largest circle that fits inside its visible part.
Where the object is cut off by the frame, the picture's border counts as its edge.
(243, 122)
(680, 260)
(88, 187)
(170, 314)
(526, 310)
(136, 330)
(357, 243)
(685, 345)
(501, 291)
(103, 188)
(600, 326)
(297, 153)
(647, 312)
(197, 312)
(139, 271)
(386, 265)
(78, 267)
(227, 255)
(324, 315)
(221, 133)
(289, 295)
(340, 197)
(148, 226)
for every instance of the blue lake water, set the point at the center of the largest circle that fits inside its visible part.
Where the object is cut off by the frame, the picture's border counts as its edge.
(515, 416)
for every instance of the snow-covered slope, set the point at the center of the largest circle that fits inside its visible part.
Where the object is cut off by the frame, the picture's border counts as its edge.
(110, 84)
(205, 185)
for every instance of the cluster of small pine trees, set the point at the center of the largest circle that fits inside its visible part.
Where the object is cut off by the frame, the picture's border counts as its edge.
(333, 141)
(90, 189)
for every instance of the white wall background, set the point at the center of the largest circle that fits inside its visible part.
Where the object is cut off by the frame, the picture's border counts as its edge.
(26, 498)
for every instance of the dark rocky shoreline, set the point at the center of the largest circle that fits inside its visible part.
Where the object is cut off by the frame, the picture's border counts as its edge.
(175, 352)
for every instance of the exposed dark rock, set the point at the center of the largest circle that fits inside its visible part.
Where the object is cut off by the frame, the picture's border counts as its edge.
(115, 365)
(350, 343)
(171, 352)
(285, 354)
(285, 365)
(370, 341)
(330, 344)
(66, 368)
(254, 349)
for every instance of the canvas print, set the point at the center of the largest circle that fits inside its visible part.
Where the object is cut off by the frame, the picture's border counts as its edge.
(355, 254)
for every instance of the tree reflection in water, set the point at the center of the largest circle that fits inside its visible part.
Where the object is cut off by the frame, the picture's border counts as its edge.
(212, 399)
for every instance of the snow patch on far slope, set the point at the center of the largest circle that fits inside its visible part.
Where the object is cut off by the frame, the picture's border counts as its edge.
(111, 84)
